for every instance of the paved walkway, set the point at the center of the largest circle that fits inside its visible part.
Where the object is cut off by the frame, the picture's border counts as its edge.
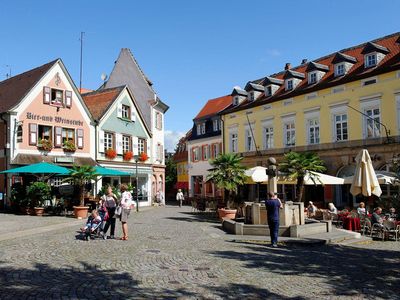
(172, 253)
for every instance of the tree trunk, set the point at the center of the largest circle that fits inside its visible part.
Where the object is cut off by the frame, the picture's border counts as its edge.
(227, 198)
(300, 189)
(82, 200)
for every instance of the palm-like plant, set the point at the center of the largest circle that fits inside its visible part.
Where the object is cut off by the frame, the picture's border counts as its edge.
(297, 166)
(227, 173)
(79, 175)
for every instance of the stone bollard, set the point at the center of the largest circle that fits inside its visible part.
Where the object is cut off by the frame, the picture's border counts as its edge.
(255, 213)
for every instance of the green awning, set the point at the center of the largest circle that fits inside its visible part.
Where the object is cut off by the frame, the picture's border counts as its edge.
(39, 168)
(109, 172)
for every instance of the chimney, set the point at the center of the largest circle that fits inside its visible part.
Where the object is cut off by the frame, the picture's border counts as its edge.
(287, 66)
(303, 61)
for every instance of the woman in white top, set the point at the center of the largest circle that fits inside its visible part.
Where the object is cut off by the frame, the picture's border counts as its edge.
(332, 209)
(109, 201)
(361, 209)
(126, 204)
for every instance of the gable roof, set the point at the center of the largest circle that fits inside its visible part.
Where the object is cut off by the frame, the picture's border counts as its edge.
(214, 106)
(14, 89)
(127, 71)
(100, 101)
(389, 63)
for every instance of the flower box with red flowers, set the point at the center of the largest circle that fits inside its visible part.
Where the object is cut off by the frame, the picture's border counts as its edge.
(45, 145)
(111, 153)
(143, 156)
(128, 155)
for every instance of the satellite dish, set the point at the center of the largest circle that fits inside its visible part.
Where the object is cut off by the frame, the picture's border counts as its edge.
(103, 76)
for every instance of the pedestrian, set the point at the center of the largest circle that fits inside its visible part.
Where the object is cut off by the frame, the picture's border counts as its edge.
(109, 201)
(273, 204)
(180, 197)
(127, 204)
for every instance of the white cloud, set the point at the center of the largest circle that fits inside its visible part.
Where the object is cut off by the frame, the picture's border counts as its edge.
(171, 139)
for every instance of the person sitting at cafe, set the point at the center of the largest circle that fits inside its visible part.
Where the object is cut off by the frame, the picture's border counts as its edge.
(331, 208)
(392, 213)
(376, 217)
(361, 210)
(311, 209)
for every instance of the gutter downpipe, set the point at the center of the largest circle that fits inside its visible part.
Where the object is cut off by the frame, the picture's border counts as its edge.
(5, 160)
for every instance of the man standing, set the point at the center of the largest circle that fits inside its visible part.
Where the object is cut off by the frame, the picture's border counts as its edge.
(273, 204)
(180, 197)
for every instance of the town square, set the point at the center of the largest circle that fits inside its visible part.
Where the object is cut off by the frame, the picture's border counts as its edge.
(199, 150)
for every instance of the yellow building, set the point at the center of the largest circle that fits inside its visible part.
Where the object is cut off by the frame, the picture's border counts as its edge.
(334, 106)
(181, 160)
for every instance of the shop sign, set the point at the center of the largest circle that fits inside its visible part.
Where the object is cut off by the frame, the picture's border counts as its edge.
(59, 120)
(64, 159)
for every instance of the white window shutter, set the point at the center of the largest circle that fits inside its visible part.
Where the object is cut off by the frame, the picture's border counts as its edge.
(101, 141)
(119, 143)
(68, 99)
(133, 116)
(119, 110)
(79, 139)
(135, 145)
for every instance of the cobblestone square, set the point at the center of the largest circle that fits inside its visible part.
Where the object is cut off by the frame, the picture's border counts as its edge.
(172, 253)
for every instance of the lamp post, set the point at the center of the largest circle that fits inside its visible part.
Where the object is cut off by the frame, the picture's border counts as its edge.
(136, 157)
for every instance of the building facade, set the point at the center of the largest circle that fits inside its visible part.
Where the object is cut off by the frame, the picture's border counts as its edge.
(334, 106)
(205, 143)
(122, 139)
(43, 118)
(181, 159)
(127, 71)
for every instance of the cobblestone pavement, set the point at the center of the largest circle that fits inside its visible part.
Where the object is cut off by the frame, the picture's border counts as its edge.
(172, 253)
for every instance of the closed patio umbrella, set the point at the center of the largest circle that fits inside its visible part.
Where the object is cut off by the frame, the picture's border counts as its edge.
(365, 181)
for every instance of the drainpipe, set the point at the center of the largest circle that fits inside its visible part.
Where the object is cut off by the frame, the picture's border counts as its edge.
(95, 123)
(223, 134)
(5, 158)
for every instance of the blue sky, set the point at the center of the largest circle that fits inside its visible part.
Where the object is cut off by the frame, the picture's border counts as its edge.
(191, 50)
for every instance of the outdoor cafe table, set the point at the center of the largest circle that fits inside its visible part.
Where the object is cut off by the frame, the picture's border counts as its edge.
(351, 223)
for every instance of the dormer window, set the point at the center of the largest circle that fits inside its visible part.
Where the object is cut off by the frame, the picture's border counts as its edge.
(370, 60)
(312, 77)
(251, 96)
(340, 69)
(236, 100)
(316, 71)
(289, 84)
(271, 85)
(268, 91)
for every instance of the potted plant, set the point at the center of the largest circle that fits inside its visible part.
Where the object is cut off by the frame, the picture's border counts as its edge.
(38, 192)
(128, 155)
(79, 175)
(143, 156)
(69, 146)
(111, 153)
(45, 145)
(227, 173)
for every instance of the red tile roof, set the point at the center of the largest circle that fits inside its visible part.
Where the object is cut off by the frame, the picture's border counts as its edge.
(14, 89)
(98, 102)
(214, 106)
(85, 91)
(390, 62)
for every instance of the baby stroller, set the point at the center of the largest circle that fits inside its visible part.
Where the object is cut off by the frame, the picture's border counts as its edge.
(94, 226)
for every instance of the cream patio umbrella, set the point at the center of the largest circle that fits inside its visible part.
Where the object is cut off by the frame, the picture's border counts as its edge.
(257, 175)
(312, 178)
(365, 181)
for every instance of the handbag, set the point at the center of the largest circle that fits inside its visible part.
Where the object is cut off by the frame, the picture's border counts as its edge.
(118, 211)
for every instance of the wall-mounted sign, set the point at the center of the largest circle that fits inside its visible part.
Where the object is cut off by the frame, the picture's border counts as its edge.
(64, 159)
(31, 116)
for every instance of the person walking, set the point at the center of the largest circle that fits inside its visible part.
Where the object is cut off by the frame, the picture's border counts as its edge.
(273, 204)
(180, 197)
(127, 204)
(109, 201)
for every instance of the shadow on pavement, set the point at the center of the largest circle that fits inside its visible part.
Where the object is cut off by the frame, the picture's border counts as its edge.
(196, 217)
(348, 271)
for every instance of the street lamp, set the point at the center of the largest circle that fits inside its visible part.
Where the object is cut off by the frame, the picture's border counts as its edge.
(136, 158)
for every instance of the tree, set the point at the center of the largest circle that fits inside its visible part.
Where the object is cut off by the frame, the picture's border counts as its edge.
(296, 166)
(170, 174)
(79, 175)
(227, 173)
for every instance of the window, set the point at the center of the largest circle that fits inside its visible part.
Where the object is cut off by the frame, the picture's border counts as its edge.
(216, 125)
(341, 133)
(56, 97)
(198, 129)
(290, 134)
(203, 128)
(268, 91)
(312, 77)
(372, 122)
(289, 84)
(67, 134)
(126, 112)
(158, 120)
(160, 152)
(19, 134)
(204, 151)
(370, 60)
(233, 145)
(268, 137)
(142, 145)
(251, 96)
(108, 141)
(338, 89)
(340, 69)
(313, 131)
(195, 154)
(368, 81)
(45, 133)
(288, 102)
(215, 150)
(249, 143)
(126, 144)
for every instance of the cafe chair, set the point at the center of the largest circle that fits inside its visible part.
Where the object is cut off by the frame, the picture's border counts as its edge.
(366, 226)
(390, 229)
(336, 220)
(377, 231)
